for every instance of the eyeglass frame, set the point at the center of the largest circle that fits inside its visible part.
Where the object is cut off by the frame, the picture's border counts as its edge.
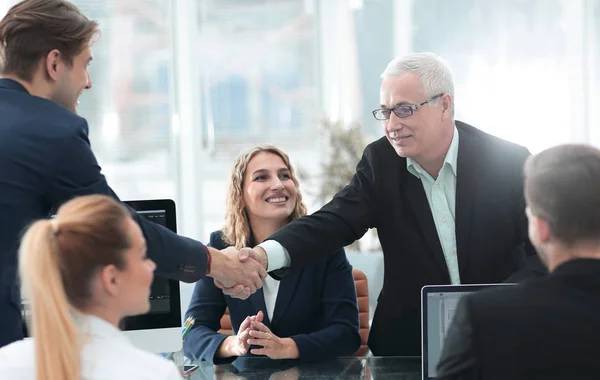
(413, 108)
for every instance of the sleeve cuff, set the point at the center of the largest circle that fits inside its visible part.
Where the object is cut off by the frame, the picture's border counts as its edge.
(277, 255)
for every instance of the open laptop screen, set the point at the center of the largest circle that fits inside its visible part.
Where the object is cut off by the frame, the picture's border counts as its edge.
(438, 306)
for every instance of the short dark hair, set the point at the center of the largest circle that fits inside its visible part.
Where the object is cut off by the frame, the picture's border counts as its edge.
(33, 28)
(562, 186)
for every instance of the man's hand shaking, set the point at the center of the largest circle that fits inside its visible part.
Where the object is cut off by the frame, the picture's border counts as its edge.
(238, 273)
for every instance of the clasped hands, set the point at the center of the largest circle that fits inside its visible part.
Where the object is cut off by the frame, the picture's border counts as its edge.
(253, 332)
(238, 273)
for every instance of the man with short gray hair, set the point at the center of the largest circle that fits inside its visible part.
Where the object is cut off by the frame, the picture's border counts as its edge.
(445, 197)
(545, 328)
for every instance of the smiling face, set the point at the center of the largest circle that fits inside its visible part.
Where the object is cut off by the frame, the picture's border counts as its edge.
(268, 192)
(425, 134)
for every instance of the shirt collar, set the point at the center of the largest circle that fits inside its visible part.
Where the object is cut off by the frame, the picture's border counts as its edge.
(579, 268)
(451, 158)
(10, 84)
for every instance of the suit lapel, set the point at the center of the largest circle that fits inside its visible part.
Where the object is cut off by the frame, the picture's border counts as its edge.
(418, 201)
(287, 288)
(258, 302)
(466, 193)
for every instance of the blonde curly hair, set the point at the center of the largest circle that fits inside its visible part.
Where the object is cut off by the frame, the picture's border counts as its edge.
(237, 231)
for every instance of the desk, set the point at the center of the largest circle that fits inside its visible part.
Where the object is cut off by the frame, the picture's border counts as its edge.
(372, 368)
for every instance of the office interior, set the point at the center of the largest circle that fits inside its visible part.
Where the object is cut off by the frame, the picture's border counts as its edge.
(181, 87)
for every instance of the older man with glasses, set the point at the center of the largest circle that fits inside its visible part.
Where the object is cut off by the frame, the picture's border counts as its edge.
(445, 197)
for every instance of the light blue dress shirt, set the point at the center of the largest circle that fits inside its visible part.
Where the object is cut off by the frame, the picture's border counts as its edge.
(441, 195)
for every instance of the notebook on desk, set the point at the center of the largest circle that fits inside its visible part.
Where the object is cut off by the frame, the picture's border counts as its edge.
(438, 303)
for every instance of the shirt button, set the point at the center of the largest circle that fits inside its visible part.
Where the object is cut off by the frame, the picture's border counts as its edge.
(444, 220)
(435, 187)
(451, 252)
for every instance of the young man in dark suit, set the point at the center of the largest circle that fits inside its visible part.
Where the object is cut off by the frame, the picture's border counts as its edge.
(545, 328)
(45, 153)
(445, 197)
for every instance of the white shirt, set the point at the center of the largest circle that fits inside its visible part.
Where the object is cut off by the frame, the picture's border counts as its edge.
(106, 355)
(441, 196)
(277, 256)
(270, 290)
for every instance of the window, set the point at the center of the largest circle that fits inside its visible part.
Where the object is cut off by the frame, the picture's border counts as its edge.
(129, 107)
(257, 69)
(521, 68)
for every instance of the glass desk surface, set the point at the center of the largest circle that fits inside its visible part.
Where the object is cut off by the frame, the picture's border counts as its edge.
(367, 368)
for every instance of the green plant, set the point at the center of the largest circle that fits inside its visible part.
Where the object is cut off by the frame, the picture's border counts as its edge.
(343, 152)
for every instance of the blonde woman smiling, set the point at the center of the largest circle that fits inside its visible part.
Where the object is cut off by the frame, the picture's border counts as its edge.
(311, 314)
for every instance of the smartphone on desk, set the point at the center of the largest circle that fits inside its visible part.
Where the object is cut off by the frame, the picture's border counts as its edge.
(188, 370)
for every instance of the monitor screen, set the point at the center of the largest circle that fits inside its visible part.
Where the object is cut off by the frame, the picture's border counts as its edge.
(165, 309)
(440, 310)
(160, 292)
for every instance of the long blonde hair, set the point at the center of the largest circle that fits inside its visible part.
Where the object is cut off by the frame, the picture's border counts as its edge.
(237, 230)
(57, 260)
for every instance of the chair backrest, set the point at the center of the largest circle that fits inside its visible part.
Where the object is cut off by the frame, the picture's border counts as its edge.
(226, 327)
(362, 294)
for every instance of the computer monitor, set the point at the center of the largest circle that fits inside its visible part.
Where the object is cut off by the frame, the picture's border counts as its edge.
(159, 330)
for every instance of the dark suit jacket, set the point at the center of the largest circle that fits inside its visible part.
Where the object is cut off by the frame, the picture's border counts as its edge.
(316, 306)
(45, 160)
(491, 228)
(546, 328)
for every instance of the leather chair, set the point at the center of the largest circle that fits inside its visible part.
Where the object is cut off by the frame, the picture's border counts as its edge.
(362, 294)
(226, 327)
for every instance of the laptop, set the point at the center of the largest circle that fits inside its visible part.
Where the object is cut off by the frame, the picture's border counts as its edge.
(438, 303)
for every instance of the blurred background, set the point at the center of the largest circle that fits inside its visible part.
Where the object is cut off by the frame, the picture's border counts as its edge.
(180, 87)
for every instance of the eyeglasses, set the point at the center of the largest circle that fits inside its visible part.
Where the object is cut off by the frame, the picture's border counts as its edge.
(402, 111)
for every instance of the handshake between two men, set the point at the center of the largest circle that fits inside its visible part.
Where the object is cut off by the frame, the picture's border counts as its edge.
(238, 273)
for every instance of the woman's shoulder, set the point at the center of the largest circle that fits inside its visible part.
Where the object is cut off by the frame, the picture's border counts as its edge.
(17, 354)
(216, 240)
(333, 260)
(122, 360)
(339, 255)
(156, 366)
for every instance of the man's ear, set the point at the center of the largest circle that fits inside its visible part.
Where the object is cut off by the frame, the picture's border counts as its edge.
(52, 64)
(542, 229)
(446, 104)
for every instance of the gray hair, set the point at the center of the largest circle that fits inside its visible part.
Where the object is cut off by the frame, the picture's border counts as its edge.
(435, 74)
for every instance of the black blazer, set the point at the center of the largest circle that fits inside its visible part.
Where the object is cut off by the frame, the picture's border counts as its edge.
(45, 160)
(546, 328)
(491, 228)
(316, 306)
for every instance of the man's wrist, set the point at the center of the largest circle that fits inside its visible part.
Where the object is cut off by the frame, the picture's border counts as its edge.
(263, 259)
(208, 260)
(216, 262)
